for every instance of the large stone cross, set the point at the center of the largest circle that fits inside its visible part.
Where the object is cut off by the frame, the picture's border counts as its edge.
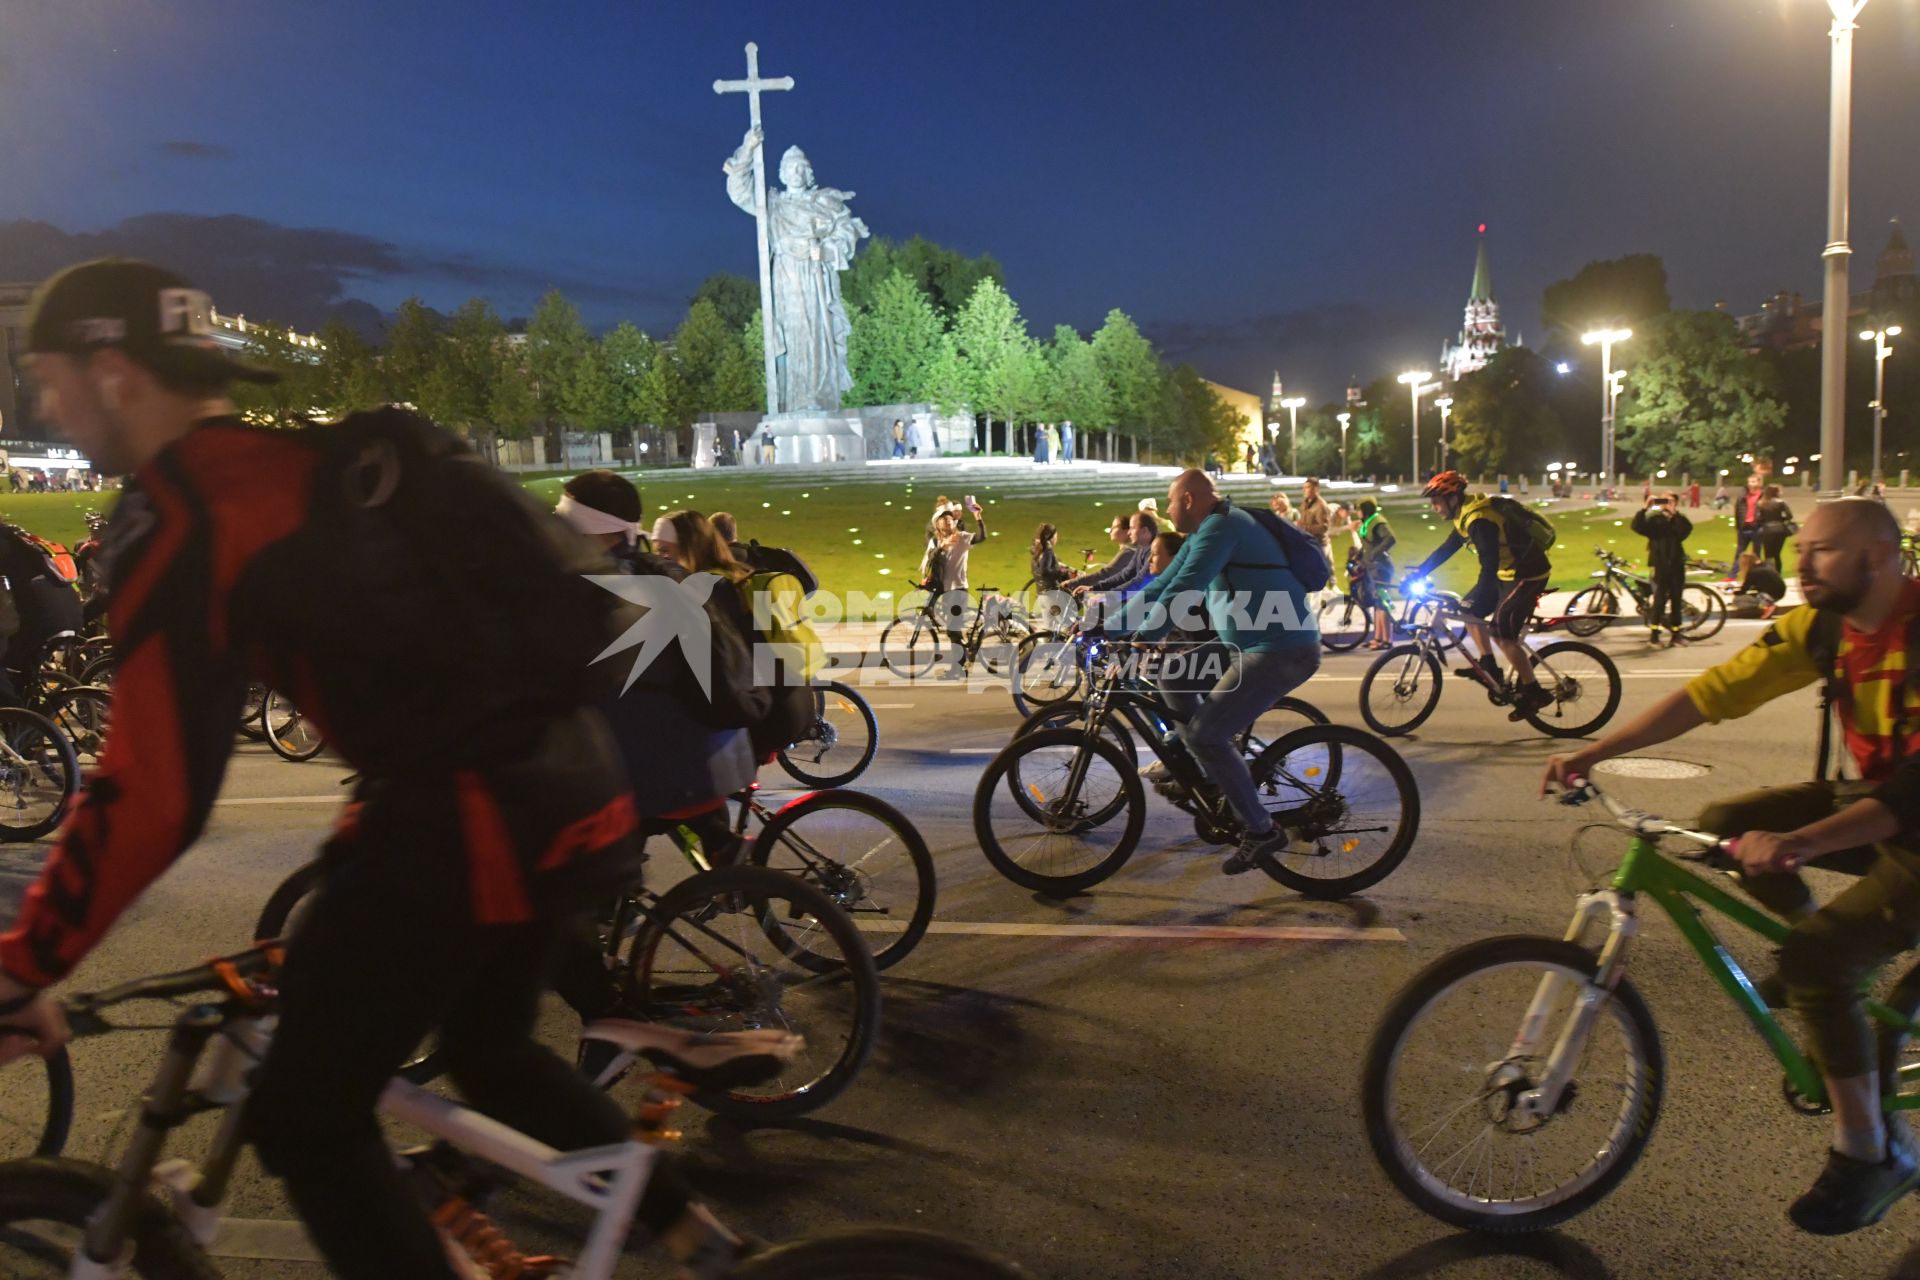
(753, 86)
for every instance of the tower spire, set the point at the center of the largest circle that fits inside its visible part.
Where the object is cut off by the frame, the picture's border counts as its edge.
(1482, 273)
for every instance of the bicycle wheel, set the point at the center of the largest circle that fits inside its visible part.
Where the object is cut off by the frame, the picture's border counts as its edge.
(1447, 634)
(99, 672)
(864, 855)
(840, 744)
(1703, 610)
(1347, 794)
(280, 916)
(910, 646)
(45, 1206)
(1072, 713)
(290, 733)
(36, 1106)
(82, 713)
(1000, 645)
(1899, 1049)
(1044, 811)
(877, 1253)
(251, 726)
(1046, 671)
(39, 774)
(1446, 1080)
(1585, 686)
(1286, 715)
(704, 959)
(1343, 623)
(1400, 690)
(1591, 610)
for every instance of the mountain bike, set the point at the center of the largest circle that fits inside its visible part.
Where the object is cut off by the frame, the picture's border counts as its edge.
(914, 643)
(840, 743)
(1060, 810)
(727, 949)
(1287, 714)
(155, 1218)
(1513, 1083)
(39, 774)
(1344, 623)
(1703, 611)
(1402, 687)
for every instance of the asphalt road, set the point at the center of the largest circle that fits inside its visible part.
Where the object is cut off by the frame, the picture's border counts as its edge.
(1160, 1105)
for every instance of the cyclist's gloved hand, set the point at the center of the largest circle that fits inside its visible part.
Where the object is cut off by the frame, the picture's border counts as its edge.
(37, 1026)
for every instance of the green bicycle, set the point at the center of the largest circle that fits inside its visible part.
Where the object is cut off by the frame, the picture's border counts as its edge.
(1513, 1083)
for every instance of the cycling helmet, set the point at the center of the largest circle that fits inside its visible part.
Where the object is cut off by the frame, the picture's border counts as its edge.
(1447, 482)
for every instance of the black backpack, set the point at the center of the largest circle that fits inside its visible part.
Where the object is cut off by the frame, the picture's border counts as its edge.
(778, 560)
(1301, 554)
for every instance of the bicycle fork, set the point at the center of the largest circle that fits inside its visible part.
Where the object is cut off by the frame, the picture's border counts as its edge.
(1544, 1099)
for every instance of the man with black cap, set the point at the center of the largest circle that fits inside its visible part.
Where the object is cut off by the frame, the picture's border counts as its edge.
(449, 882)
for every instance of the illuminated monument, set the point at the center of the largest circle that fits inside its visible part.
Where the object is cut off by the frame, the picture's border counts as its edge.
(1482, 334)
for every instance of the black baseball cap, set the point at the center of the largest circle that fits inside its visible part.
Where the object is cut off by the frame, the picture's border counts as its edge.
(150, 313)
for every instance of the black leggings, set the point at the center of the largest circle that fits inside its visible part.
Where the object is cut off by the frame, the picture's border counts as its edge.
(388, 953)
(1664, 608)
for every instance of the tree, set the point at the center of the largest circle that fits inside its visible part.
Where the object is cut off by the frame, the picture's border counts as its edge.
(1503, 415)
(625, 355)
(947, 277)
(593, 399)
(736, 382)
(949, 380)
(510, 403)
(1131, 372)
(894, 343)
(736, 298)
(459, 387)
(992, 341)
(413, 345)
(1195, 420)
(664, 397)
(1626, 291)
(299, 394)
(350, 370)
(1694, 400)
(700, 345)
(753, 340)
(1380, 438)
(1077, 391)
(557, 341)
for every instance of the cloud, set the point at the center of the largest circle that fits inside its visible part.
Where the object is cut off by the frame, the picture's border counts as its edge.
(196, 150)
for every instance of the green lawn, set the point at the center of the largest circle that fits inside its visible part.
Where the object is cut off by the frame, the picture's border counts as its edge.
(864, 534)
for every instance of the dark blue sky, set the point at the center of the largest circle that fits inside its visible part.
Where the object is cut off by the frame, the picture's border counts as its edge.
(1259, 184)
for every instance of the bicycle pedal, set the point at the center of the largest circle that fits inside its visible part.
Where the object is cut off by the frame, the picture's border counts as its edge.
(666, 1082)
(654, 1111)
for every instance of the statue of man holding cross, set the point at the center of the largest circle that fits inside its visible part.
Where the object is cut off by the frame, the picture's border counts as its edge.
(808, 237)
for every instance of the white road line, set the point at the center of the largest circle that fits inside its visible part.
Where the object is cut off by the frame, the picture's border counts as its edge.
(974, 751)
(889, 706)
(1164, 932)
(264, 1239)
(338, 797)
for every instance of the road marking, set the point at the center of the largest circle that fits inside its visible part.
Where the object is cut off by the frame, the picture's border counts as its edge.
(1165, 932)
(974, 751)
(889, 706)
(264, 1239)
(338, 797)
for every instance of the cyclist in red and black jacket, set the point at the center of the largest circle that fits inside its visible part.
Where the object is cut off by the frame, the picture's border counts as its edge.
(449, 880)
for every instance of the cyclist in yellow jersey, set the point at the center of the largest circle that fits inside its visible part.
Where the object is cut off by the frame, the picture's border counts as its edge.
(1862, 634)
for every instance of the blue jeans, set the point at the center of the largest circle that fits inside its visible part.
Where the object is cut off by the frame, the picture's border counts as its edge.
(1250, 685)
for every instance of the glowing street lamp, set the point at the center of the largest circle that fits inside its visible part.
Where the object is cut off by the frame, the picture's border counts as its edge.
(1344, 419)
(1878, 337)
(1445, 405)
(1606, 338)
(1292, 405)
(1415, 381)
(1833, 351)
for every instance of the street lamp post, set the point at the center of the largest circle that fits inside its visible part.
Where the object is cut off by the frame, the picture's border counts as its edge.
(1833, 312)
(1416, 382)
(1878, 337)
(1292, 405)
(1445, 405)
(1606, 338)
(1344, 419)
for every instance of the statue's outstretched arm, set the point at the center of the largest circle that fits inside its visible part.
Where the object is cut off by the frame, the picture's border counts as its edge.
(739, 171)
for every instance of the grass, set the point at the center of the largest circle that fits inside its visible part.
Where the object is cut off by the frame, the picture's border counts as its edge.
(864, 533)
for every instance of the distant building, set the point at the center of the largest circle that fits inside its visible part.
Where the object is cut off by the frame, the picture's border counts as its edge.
(1787, 321)
(1482, 334)
(1252, 423)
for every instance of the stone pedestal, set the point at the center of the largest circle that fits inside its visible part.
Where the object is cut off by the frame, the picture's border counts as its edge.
(809, 437)
(703, 438)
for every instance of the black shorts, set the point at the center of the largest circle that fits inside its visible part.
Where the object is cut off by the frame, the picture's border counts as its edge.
(1515, 610)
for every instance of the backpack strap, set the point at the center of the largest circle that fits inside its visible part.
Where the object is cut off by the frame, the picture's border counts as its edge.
(1823, 646)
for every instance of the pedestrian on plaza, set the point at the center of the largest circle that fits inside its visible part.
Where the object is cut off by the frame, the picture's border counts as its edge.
(1053, 443)
(1666, 532)
(899, 438)
(1151, 506)
(1282, 508)
(1375, 544)
(1066, 441)
(1776, 526)
(1316, 517)
(1213, 464)
(1044, 562)
(1526, 486)
(1039, 443)
(1760, 587)
(1251, 463)
(1746, 516)
(1693, 495)
(1720, 497)
(942, 505)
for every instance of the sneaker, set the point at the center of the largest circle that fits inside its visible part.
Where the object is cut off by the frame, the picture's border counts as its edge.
(1527, 700)
(1653, 637)
(1850, 1194)
(1152, 774)
(1257, 848)
(1485, 667)
(706, 1060)
(1169, 788)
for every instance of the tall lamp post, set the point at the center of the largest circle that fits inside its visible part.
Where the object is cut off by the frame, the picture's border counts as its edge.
(1416, 382)
(1292, 405)
(1445, 405)
(1833, 307)
(1606, 338)
(1881, 350)
(1345, 420)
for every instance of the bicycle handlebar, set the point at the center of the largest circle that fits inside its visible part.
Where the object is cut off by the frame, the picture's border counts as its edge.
(215, 975)
(1581, 790)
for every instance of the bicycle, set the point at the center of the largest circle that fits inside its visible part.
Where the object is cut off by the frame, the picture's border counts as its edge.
(1703, 611)
(1287, 714)
(840, 743)
(914, 642)
(1402, 687)
(723, 950)
(1053, 790)
(1562, 1012)
(1344, 623)
(155, 1218)
(39, 774)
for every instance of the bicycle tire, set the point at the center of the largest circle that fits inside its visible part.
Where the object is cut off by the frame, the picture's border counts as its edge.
(281, 719)
(847, 893)
(1894, 1044)
(1591, 610)
(83, 713)
(29, 1126)
(749, 882)
(252, 726)
(1557, 729)
(1342, 608)
(67, 1193)
(1060, 656)
(1000, 648)
(1251, 747)
(877, 1253)
(912, 653)
(43, 750)
(1064, 715)
(1437, 980)
(1344, 740)
(1712, 610)
(1132, 798)
(815, 777)
(1406, 656)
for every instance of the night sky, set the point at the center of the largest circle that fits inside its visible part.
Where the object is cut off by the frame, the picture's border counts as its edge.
(1262, 184)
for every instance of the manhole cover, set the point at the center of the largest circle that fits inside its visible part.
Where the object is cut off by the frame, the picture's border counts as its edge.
(1652, 767)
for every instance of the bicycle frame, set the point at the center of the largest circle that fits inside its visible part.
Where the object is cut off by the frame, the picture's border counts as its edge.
(1679, 893)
